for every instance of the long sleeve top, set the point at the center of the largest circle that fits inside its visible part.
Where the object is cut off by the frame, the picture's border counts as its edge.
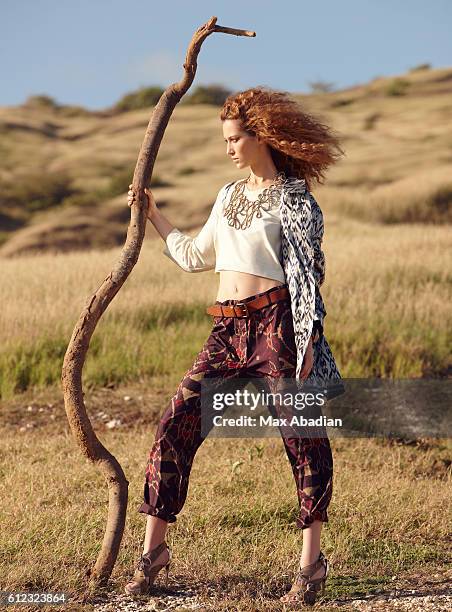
(284, 243)
(222, 245)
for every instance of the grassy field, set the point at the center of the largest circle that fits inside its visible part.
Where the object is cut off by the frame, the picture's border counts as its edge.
(388, 290)
(389, 517)
(393, 283)
(236, 535)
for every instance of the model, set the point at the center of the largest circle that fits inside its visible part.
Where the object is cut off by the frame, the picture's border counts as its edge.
(263, 237)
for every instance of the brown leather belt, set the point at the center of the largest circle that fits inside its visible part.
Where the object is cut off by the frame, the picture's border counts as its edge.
(242, 309)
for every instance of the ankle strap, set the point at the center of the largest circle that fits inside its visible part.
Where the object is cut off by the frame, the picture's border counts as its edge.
(155, 552)
(308, 570)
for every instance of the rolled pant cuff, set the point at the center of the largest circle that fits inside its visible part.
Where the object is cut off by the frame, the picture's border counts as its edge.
(306, 521)
(158, 512)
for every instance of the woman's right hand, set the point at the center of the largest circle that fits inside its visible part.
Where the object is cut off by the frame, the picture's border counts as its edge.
(152, 206)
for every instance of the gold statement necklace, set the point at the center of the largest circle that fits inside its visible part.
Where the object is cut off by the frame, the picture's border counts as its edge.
(240, 205)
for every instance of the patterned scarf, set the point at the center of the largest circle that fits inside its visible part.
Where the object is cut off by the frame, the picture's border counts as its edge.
(304, 268)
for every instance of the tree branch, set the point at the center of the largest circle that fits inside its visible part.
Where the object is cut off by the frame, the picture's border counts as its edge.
(95, 306)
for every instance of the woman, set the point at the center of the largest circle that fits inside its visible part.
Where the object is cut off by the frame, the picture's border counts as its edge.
(263, 237)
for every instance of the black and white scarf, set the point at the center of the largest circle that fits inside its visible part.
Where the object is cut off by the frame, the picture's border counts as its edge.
(303, 263)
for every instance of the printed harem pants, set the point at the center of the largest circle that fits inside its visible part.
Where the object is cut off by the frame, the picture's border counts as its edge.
(260, 345)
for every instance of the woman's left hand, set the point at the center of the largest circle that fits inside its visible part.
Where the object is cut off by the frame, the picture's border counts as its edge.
(308, 361)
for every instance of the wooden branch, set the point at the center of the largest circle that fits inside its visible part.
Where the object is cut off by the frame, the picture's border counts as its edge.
(95, 306)
(234, 31)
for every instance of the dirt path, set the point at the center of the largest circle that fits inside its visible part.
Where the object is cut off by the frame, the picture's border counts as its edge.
(413, 592)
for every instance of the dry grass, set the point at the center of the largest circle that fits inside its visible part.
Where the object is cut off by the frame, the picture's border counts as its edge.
(237, 530)
(423, 198)
(393, 282)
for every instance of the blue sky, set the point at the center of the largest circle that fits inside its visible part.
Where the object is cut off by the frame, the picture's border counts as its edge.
(91, 52)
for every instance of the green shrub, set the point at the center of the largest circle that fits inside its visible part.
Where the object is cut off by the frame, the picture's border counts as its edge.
(441, 201)
(121, 179)
(41, 101)
(36, 191)
(397, 87)
(342, 102)
(208, 94)
(142, 98)
(420, 67)
(73, 111)
(4, 236)
(186, 170)
(370, 121)
(9, 223)
(321, 86)
(82, 199)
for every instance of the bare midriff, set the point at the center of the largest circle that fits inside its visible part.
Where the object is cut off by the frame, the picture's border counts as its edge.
(240, 285)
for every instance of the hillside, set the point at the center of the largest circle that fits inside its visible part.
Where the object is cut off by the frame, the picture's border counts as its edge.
(62, 174)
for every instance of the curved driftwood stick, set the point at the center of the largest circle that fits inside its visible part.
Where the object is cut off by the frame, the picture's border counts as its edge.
(71, 376)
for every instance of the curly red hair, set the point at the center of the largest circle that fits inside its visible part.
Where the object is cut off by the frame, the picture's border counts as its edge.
(300, 144)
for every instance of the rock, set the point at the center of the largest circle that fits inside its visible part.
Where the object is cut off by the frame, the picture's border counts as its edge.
(113, 423)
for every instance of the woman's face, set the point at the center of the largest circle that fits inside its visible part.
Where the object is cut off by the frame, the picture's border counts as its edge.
(241, 147)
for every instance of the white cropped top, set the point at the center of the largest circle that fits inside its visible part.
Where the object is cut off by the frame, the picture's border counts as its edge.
(256, 249)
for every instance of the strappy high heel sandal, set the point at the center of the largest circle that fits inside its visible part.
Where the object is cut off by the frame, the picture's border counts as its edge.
(304, 589)
(146, 573)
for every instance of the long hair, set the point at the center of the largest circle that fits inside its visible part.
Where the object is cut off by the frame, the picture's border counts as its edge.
(300, 144)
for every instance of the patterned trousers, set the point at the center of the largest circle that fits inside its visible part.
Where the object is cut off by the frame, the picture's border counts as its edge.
(262, 346)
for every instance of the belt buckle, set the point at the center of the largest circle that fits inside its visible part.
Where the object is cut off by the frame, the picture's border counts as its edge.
(245, 307)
